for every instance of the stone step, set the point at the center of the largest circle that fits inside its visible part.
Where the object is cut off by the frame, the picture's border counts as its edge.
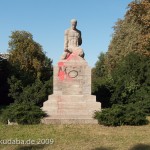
(69, 111)
(69, 116)
(72, 105)
(64, 102)
(69, 121)
(72, 98)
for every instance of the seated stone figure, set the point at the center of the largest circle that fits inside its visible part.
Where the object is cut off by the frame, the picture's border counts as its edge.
(72, 41)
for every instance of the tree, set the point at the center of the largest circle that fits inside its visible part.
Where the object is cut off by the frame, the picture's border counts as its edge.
(35, 93)
(125, 81)
(131, 34)
(27, 56)
(31, 70)
(100, 69)
(131, 80)
(102, 83)
(4, 88)
(29, 79)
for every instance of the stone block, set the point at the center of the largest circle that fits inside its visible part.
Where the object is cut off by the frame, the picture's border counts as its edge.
(71, 101)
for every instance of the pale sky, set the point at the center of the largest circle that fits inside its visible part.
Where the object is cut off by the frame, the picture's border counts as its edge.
(47, 20)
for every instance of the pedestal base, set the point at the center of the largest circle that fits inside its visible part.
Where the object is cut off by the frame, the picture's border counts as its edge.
(48, 120)
(70, 109)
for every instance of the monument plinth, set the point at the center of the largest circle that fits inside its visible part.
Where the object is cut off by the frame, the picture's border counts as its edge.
(71, 101)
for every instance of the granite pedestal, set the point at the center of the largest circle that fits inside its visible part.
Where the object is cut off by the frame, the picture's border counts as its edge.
(71, 101)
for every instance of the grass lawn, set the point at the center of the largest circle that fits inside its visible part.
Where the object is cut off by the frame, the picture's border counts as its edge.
(78, 137)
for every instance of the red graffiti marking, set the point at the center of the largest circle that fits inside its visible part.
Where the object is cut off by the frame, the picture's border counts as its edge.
(62, 73)
(61, 64)
(70, 56)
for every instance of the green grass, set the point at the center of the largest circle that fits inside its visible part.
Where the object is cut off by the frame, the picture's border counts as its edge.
(78, 137)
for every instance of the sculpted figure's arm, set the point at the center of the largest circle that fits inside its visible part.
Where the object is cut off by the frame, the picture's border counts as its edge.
(80, 38)
(66, 41)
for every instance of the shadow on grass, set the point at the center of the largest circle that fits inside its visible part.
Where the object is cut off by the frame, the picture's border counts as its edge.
(141, 147)
(102, 148)
(31, 147)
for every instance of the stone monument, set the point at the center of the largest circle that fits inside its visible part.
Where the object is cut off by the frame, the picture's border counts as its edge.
(71, 101)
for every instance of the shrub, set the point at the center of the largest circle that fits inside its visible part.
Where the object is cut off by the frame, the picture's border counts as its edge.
(134, 115)
(121, 115)
(144, 105)
(111, 116)
(22, 113)
(35, 93)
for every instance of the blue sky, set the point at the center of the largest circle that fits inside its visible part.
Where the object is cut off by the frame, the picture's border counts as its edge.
(46, 20)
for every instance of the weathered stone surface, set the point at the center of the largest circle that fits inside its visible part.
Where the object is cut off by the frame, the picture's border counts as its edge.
(70, 104)
(77, 120)
(71, 101)
(72, 77)
(72, 41)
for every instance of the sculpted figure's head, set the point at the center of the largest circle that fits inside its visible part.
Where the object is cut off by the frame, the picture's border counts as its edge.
(73, 24)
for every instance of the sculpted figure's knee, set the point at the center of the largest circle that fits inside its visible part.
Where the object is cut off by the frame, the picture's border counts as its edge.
(64, 55)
